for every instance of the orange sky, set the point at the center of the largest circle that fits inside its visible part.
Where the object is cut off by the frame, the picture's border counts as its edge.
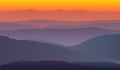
(90, 5)
(101, 10)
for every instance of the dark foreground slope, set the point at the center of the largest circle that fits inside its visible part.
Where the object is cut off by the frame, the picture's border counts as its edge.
(51, 65)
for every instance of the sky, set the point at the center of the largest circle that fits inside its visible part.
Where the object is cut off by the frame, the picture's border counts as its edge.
(59, 10)
(89, 5)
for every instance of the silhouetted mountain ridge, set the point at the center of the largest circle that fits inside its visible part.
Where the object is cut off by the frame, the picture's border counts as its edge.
(106, 45)
(14, 50)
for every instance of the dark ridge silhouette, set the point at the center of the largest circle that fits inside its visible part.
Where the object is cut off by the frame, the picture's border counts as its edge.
(14, 50)
(106, 45)
(51, 65)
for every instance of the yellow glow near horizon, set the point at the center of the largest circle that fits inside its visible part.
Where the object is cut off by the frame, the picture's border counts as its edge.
(90, 5)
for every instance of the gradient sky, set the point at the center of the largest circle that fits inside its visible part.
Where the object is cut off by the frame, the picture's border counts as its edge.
(62, 10)
(90, 5)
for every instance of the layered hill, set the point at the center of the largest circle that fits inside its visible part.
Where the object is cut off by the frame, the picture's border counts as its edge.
(14, 50)
(67, 37)
(106, 45)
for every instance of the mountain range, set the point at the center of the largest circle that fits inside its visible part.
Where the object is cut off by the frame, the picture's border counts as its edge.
(100, 49)
(14, 50)
(54, 24)
(67, 37)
